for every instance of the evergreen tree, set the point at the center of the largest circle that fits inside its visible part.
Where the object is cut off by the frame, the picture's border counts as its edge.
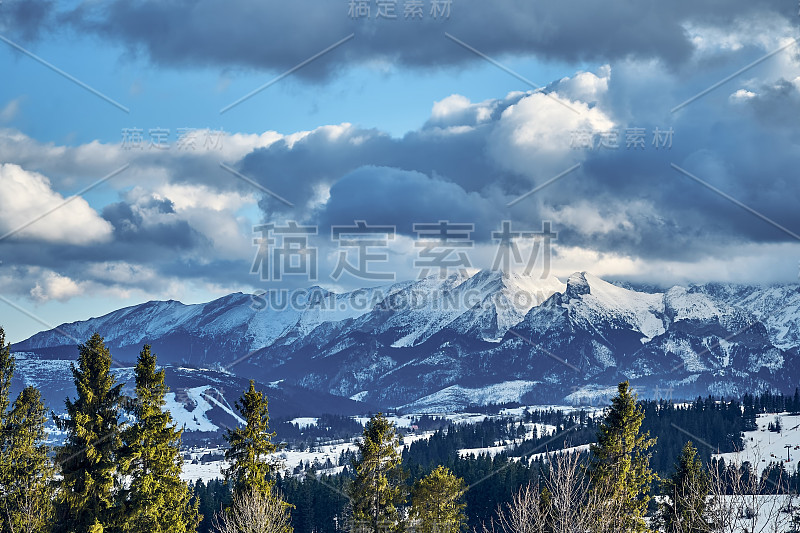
(620, 465)
(157, 501)
(250, 468)
(377, 490)
(7, 367)
(26, 471)
(88, 458)
(683, 508)
(436, 504)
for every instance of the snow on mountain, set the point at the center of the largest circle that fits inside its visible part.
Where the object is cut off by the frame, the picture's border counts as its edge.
(189, 409)
(593, 301)
(777, 306)
(471, 338)
(457, 397)
(422, 309)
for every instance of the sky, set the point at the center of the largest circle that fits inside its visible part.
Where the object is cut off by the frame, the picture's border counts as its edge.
(177, 149)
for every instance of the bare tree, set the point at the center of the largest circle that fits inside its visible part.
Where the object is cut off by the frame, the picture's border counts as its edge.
(572, 507)
(525, 513)
(32, 512)
(744, 500)
(564, 504)
(254, 512)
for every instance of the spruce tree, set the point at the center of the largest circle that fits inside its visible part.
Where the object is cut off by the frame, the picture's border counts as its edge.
(436, 503)
(88, 459)
(7, 366)
(156, 501)
(377, 489)
(26, 471)
(620, 465)
(250, 468)
(683, 508)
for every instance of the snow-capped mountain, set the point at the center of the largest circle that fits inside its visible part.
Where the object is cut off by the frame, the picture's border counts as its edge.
(469, 338)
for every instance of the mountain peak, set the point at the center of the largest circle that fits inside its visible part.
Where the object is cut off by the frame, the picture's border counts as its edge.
(577, 285)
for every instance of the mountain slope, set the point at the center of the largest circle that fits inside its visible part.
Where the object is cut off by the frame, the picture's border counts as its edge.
(480, 337)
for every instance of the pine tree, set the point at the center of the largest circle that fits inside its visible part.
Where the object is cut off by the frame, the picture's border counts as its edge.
(620, 465)
(26, 469)
(157, 501)
(436, 502)
(88, 458)
(377, 491)
(249, 446)
(6, 373)
(7, 367)
(683, 508)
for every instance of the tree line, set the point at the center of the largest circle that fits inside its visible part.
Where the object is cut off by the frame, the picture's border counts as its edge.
(118, 470)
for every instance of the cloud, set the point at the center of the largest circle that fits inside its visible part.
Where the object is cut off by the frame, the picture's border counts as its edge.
(11, 109)
(31, 209)
(25, 19)
(534, 136)
(390, 196)
(176, 220)
(55, 287)
(278, 36)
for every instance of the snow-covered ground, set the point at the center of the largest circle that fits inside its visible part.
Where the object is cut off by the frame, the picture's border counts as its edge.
(202, 470)
(404, 421)
(287, 459)
(304, 422)
(573, 449)
(771, 514)
(519, 412)
(762, 447)
(200, 400)
(508, 445)
(455, 396)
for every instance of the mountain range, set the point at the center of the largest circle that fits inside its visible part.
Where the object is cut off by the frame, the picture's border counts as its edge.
(439, 344)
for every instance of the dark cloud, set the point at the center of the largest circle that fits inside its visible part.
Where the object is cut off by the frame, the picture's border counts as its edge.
(389, 196)
(141, 223)
(626, 201)
(279, 35)
(775, 104)
(25, 19)
(323, 157)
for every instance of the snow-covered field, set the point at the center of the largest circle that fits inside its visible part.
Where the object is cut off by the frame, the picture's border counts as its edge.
(508, 445)
(287, 459)
(762, 447)
(543, 456)
(304, 422)
(200, 400)
(325, 452)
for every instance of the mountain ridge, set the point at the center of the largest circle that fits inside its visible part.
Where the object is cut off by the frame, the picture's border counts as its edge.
(402, 344)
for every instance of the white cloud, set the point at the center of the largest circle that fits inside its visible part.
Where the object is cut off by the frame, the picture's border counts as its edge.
(54, 286)
(455, 103)
(28, 195)
(533, 136)
(742, 95)
(752, 263)
(191, 196)
(592, 219)
(11, 110)
(586, 86)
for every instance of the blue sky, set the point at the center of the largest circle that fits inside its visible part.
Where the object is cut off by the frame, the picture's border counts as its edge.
(409, 121)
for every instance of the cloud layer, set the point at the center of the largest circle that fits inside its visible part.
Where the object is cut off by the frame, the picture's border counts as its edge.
(178, 219)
